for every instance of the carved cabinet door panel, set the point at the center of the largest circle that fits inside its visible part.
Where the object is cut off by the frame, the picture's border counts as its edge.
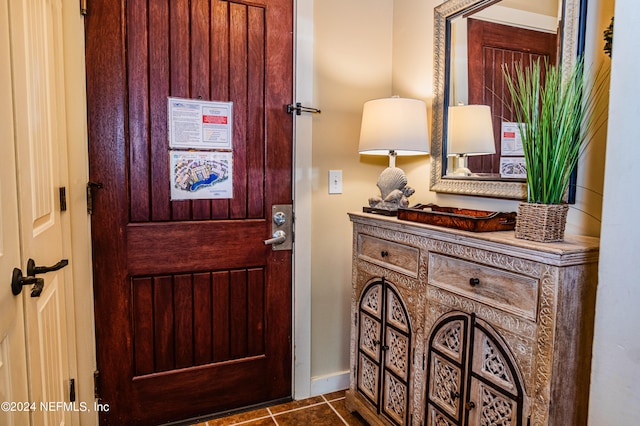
(384, 347)
(495, 394)
(447, 364)
(369, 340)
(472, 377)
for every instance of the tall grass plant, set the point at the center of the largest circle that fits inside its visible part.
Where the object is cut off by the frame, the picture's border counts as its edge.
(555, 109)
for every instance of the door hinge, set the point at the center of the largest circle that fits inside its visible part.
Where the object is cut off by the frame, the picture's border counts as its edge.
(72, 390)
(96, 384)
(63, 198)
(90, 187)
(83, 7)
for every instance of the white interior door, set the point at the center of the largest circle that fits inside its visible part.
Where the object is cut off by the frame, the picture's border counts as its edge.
(13, 367)
(36, 60)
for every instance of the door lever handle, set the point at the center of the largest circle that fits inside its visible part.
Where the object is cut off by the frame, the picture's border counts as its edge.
(279, 237)
(18, 280)
(281, 227)
(32, 269)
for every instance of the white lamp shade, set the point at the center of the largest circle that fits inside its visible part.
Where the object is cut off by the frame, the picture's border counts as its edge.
(394, 124)
(470, 130)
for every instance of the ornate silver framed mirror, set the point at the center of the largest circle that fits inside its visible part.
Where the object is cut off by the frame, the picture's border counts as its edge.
(448, 18)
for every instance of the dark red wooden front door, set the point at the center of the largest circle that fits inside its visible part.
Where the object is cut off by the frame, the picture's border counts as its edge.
(193, 311)
(491, 46)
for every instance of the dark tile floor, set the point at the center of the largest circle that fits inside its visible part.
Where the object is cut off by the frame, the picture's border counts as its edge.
(324, 410)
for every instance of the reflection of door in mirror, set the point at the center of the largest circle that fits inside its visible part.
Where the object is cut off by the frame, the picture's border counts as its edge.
(490, 45)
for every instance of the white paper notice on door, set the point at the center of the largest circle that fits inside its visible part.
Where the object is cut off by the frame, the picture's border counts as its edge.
(197, 124)
(201, 175)
(511, 142)
(513, 167)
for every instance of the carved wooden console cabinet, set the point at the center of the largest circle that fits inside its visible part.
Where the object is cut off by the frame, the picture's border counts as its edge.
(457, 328)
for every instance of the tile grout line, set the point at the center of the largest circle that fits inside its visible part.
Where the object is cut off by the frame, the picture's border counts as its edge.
(340, 398)
(254, 419)
(297, 408)
(272, 416)
(334, 410)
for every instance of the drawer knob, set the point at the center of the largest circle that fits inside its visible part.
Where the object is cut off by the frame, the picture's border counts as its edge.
(384, 253)
(470, 405)
(474, 281)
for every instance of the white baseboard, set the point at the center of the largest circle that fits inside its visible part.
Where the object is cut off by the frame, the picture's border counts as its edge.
(329, 383)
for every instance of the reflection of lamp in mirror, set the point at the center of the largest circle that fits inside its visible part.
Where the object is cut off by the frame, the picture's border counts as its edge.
(469, 132)
(393, 126)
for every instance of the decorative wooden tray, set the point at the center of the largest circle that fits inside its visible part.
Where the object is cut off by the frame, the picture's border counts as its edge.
(465, 219)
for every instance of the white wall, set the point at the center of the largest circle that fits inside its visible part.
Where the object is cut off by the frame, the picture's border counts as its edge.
(615, 386)
(352, 64)
(413, 77)
(302, 199)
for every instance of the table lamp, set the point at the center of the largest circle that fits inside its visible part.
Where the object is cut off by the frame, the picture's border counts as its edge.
(393, 126)
(469, 132)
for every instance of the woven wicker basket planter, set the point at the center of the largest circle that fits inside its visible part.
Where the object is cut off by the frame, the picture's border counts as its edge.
(541, 222)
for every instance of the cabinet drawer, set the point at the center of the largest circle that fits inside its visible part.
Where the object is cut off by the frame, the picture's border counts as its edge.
(388, 254)
(504, 290)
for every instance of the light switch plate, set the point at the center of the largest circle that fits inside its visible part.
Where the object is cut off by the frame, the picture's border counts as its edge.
(335, 181)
